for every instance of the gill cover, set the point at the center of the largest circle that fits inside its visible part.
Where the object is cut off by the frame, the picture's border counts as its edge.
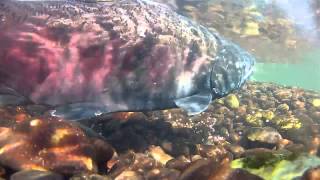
(231, 68)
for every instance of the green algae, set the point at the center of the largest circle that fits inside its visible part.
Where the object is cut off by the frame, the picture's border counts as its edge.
(272, 166)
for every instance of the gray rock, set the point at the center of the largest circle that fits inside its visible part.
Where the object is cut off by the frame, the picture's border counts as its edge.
(36, 175)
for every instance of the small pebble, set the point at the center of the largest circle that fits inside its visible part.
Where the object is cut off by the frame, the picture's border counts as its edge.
(163, 174)
(132, 175)
(159, 155)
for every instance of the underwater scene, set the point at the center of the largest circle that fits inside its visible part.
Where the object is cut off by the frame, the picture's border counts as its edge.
(160, 89)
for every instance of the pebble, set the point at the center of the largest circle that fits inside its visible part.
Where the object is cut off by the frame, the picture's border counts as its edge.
(162, 174)
(236, 150)
(180, 163)
(103, 151)
(264, 135)
(315, 102)
(232, 101)
(132, 175)
(159, 155)
(2, 171)
(69, 149)
(311, 174)
(199, 169)
(122, 163)
(211, 151)
(298, 104)
(143, 163)
(283, 94)
(240, 174)
(283, 108)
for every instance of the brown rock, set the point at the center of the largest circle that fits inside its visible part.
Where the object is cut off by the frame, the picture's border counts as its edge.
(103, 151)
(176, 148)
(267, 137)
(143, 163)
(2, 172)
(298, 104)
(159, 155)
(311, 174)
(132, 175)
(315, 115)
(122, 163)
(283, 94)
(212, 151)
(196, 158)
(236, 150)
(239, 174)
(242, 110)
(200, 169)
(163, 174)
(180, 163)
(50, 144)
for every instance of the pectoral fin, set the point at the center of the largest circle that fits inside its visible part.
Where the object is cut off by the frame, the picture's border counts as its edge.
(9, 96)
(195, 104)
(78, 111)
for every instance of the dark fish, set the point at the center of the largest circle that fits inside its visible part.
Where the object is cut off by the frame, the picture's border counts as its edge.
(133, 55)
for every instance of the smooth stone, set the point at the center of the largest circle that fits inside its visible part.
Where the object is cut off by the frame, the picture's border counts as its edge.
(200, 169)
(180, 163)
(159, 155)
(311, 174)
(126, 175)
(265, 135)
(163, 173)
(240, 174)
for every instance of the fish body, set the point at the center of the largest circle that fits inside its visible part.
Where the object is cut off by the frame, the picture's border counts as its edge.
(133, 55)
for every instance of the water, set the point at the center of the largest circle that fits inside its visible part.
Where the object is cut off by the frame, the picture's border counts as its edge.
(284, 36)
(305, 74)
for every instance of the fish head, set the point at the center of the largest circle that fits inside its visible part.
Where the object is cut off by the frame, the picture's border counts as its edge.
(230, 69)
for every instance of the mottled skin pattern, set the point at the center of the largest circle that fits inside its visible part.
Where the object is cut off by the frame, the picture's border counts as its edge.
(131, 55)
